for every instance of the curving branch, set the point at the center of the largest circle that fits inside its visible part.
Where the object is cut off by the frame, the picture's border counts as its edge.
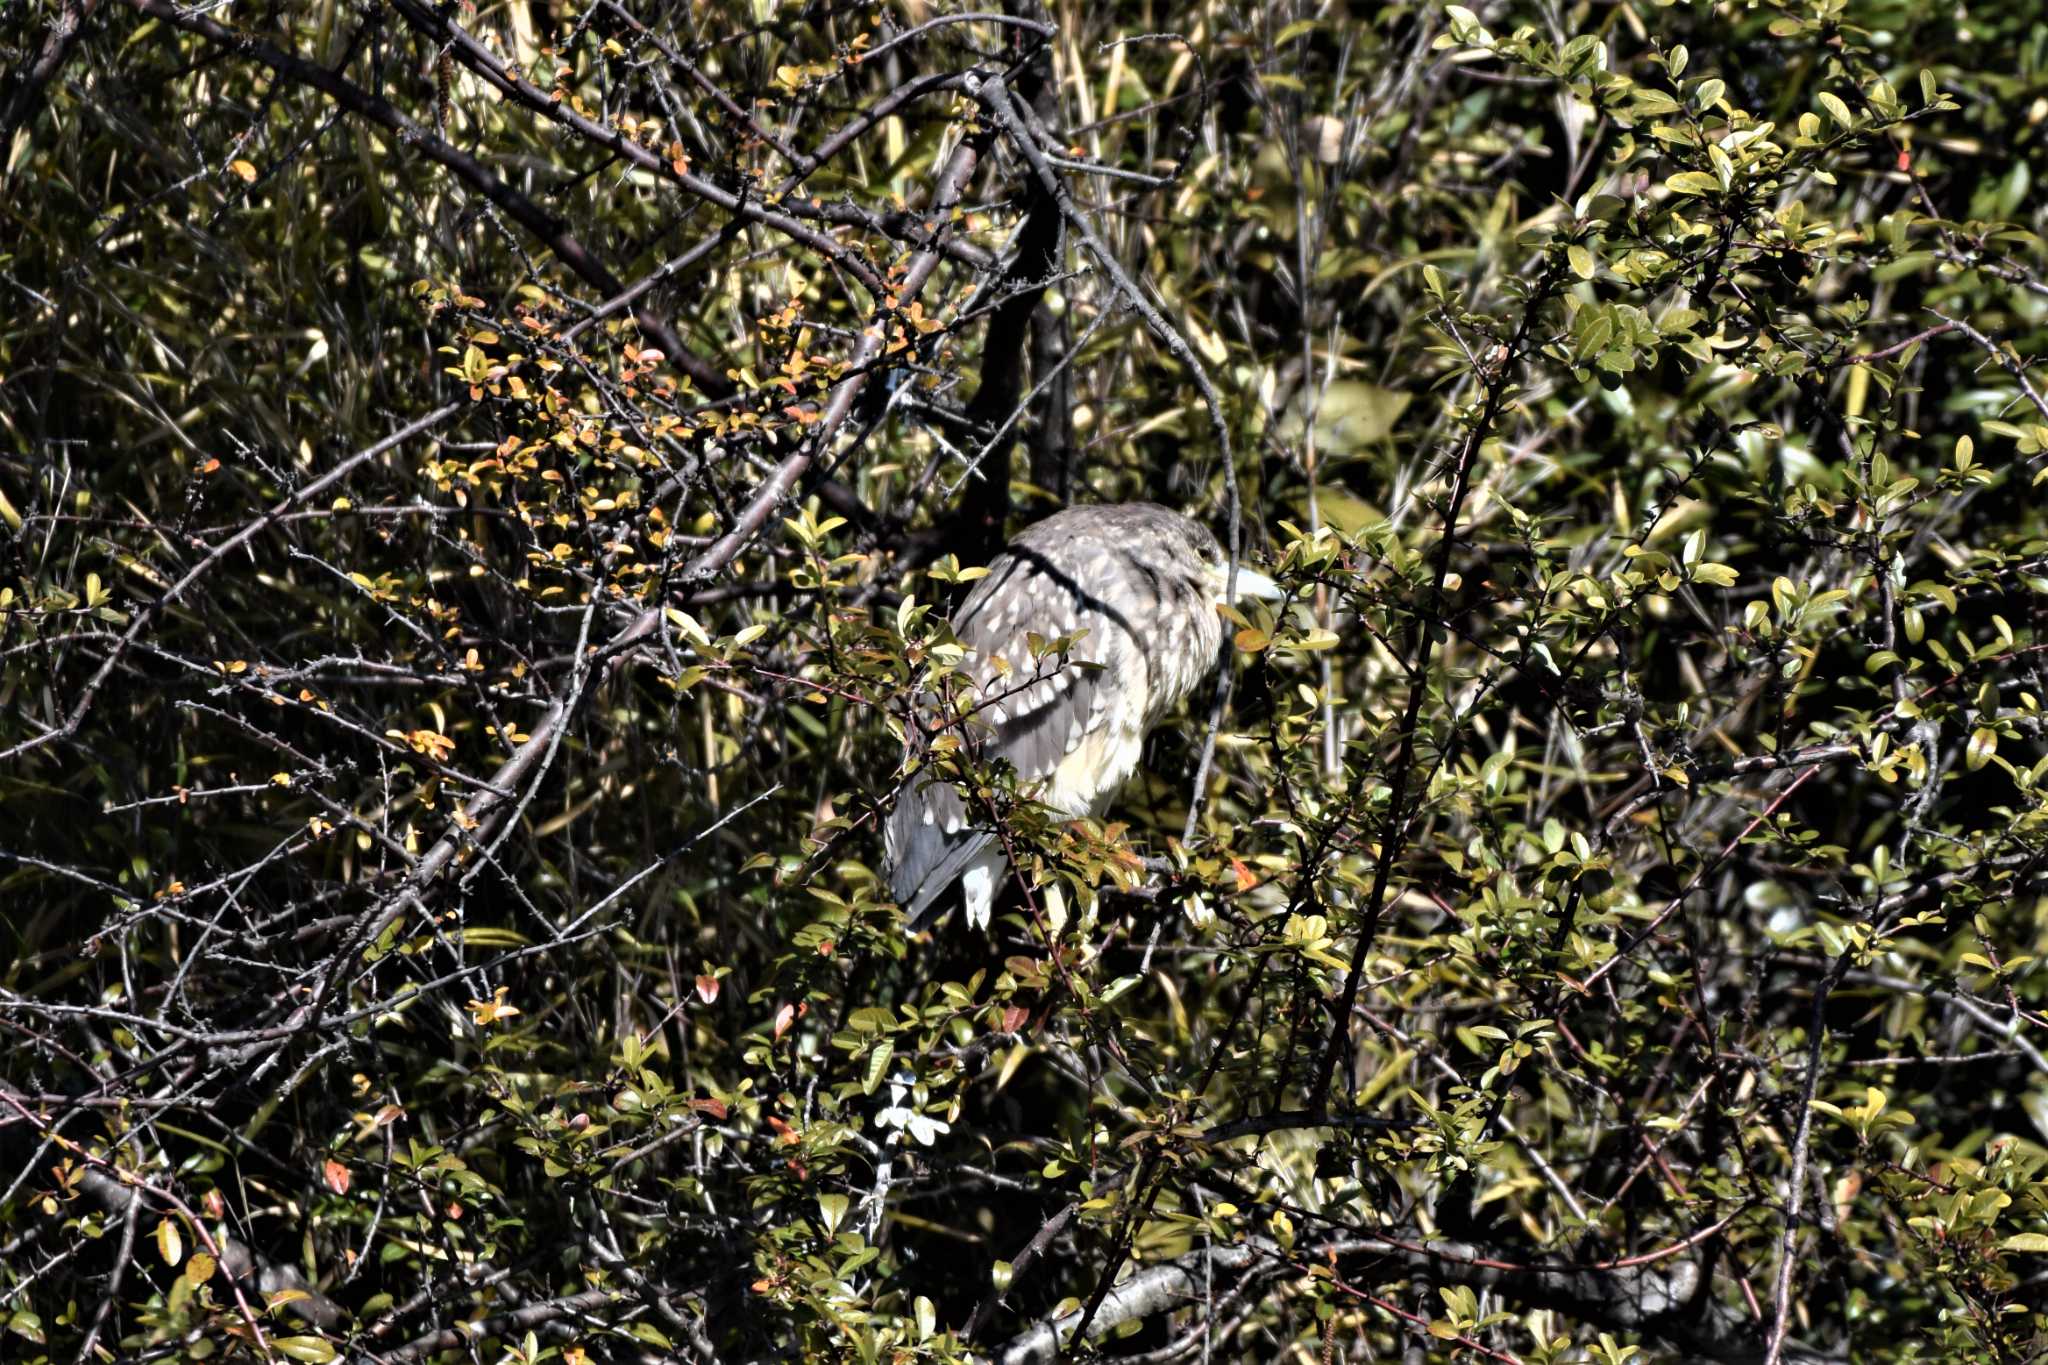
(1665, 1296)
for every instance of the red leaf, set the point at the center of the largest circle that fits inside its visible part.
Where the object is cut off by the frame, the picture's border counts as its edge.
(1014, 1017)
(335, 1174)
(707, 989)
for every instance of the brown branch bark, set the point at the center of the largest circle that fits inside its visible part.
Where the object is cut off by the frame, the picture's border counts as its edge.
(504, 1324)
(21, 94)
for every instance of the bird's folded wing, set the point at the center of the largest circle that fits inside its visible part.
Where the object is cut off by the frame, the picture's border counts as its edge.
(1036, 710)
(1031, 712)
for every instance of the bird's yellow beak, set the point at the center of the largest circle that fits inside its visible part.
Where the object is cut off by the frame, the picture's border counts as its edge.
(1250, 584)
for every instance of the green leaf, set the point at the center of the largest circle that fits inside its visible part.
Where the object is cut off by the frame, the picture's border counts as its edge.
(1983, 744)
(27, 1324)
(878, 1067)
(1352, 414)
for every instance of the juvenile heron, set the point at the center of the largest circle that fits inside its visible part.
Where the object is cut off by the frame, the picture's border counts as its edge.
(1143, 583)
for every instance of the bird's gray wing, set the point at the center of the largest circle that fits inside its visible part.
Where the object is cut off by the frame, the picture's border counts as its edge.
(1036, 710)
(1029, 711)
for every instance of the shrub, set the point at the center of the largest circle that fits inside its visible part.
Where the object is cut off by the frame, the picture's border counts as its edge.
(483, 492)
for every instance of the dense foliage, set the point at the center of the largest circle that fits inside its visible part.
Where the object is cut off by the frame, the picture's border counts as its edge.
(483, 483)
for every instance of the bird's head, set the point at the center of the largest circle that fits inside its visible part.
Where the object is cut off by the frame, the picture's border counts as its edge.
(1222, 589)
(1152, 562)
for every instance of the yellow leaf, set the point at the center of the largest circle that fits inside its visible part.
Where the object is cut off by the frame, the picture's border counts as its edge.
(488, 1012)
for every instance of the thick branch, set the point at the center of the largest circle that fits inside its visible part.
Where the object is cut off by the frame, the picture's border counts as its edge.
(20, 96)
(1664, 1299)
(1160, 1289)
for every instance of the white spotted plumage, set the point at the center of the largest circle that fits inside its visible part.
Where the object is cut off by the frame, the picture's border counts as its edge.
(1139, 585)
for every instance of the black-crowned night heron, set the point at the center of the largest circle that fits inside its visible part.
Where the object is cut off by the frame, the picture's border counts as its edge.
(1139, 585)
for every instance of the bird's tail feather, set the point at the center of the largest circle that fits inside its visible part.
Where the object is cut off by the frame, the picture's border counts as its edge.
(924, 908)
